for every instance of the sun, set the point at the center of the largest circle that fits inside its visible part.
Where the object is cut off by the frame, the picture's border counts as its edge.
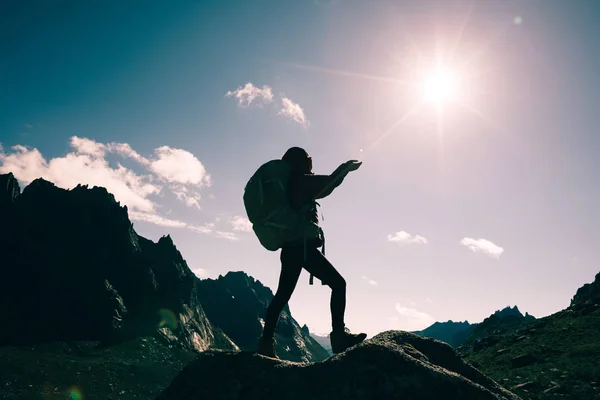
(440, 86)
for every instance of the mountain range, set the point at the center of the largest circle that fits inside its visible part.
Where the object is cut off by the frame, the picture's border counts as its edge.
(456, 333)
(97, 311)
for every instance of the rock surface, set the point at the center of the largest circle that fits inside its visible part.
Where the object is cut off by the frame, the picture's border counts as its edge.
(392, 364)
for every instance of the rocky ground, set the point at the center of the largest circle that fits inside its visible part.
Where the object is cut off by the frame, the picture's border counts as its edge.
(556, 357)
(138, 369)
(391, 365)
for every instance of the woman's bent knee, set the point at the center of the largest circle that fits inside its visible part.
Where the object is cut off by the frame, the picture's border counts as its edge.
(338, 284)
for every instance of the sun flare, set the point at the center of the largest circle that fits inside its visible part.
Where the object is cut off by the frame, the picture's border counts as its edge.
(440, 86)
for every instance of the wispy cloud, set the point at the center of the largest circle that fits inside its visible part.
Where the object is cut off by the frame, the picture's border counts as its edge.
(156, 219)
(482, 246)
(294, 111)
(125, 150)
(190, 197)
(241, 224)
(369, 281)
(227, 235)
(249, 93)
(403, 237)
(207, 228)
(405, 301)
(412, 319)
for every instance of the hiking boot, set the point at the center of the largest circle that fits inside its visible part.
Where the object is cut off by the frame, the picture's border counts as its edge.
(342, 340)
(266, 347)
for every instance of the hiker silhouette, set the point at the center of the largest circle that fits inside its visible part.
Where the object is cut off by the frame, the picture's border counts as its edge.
(304, 188)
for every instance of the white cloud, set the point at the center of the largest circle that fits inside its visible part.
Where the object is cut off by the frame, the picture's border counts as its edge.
(86, 164)
(179, 166)
(411, 319)
(369, 281)
(226, 235)
(407, 238)
(241, 224)
(25, 164)
(482, 246)
(294, 111)
(247, 94)
(88, 146)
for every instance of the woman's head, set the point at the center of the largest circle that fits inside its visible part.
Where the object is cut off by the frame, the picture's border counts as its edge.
(299, 159)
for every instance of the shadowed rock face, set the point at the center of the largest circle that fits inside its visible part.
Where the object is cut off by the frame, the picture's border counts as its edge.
(237, 304)
(74, 268)
(588, 294)
(392, 364)
(9, 190)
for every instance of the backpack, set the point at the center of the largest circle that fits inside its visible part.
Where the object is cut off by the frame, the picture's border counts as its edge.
(274, 221)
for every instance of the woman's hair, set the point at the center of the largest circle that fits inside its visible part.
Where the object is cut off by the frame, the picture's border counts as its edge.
(299, 159)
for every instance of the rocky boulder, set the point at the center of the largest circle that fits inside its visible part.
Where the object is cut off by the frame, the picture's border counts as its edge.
(392, 364)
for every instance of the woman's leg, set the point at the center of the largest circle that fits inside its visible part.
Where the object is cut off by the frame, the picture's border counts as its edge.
(291, 267)
(320, 267)
(323, 270)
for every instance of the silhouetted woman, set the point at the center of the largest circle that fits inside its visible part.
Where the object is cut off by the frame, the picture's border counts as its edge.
(304, 189)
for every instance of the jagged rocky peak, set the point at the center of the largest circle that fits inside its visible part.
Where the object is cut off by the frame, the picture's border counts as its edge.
(511, 312)
(588, 294)
(9, 189)
(76, 252)
(393, 364)
(237, 303)
(450, 322)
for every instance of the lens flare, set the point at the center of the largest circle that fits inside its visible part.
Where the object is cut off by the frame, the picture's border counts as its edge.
(167, 319)
(74, 393)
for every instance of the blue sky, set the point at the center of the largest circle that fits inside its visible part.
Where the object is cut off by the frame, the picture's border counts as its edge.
(484, 199)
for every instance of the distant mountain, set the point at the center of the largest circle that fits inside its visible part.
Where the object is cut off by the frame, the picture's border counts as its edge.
(453, 333)
(74, 268)
(237, 304)
(324, 341)
(500, 322)
(459, 333)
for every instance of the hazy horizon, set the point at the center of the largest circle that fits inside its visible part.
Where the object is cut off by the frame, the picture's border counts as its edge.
(477, 123)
